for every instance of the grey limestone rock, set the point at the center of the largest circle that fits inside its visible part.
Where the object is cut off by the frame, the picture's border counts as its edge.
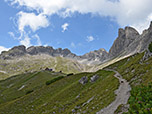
(83, 80)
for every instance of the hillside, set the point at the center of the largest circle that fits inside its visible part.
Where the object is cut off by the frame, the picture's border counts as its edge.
(137, 70)
(32, 95)
(38, 62)
(28, 93)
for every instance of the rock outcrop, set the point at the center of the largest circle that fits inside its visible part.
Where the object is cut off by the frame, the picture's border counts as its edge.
(94, 78)
(16, 51)
(83, 80)
(125, 38)
(129, 41)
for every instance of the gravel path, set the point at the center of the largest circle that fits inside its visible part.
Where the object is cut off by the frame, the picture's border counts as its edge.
(122, 95)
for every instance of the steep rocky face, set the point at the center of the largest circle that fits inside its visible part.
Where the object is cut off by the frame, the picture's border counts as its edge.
(146, 39)
(130, 42)
(34, 50)
(97, 55)
(16, 51)
(125, 38)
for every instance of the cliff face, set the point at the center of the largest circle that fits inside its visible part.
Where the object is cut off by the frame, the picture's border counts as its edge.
(129, 41)
(125, 38)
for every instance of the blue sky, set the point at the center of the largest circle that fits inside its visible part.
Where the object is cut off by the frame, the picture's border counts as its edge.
(80, 26)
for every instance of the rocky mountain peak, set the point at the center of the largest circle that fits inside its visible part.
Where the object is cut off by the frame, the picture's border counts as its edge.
(125, 38)
(150, 27)
(15, 51)
(97, 55)
(20, 47)
(121, 32)
(131, 32)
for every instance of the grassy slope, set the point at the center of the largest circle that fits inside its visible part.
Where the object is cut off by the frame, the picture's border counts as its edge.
(61, 97)
(11, 88)
(136, 72)
(35, 63)
(133, 70)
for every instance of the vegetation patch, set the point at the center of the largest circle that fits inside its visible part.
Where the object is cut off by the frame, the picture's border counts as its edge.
(30, 91)
(150, 47)
(65, 96)
(54, 80)
(141, 100)
(138, 73)
(70, 74)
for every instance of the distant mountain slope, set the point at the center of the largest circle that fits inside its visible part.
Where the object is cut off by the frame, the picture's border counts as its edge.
(19, 51)
(33, 63)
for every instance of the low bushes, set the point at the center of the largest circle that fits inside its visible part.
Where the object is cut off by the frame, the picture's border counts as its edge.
(70, 74)
(150, 47)
(141, 100)
(30, 91)
(54, 80)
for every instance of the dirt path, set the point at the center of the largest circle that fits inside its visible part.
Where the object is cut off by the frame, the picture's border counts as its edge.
(122, 95)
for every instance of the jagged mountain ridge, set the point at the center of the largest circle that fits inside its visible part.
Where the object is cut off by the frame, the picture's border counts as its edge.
(128, 42)
(19, 51)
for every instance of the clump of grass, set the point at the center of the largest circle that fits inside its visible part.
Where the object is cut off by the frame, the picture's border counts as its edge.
(54, 80)
(70, 74)
(150, 47)
(30, 91)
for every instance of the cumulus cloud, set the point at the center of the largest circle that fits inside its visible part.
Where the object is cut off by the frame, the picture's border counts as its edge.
(64, 27)
(90, 38)
(125, 12)
(32, 20)
(3, 49)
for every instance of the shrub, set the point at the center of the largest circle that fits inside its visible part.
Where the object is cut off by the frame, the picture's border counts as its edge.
(54, 80)
(70, 74)
(141, 100)
(30, 91)
(150, 47)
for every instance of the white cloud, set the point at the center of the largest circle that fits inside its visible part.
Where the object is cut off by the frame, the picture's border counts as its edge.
(64, 27)
(38, 39)
(35, 22)
(90, 38)
(26, 41)
(124, 12)
(12, 35)
(3, 49)
(73, 45)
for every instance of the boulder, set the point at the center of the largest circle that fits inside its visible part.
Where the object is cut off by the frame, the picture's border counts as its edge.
(94, 78)
(83, 80)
